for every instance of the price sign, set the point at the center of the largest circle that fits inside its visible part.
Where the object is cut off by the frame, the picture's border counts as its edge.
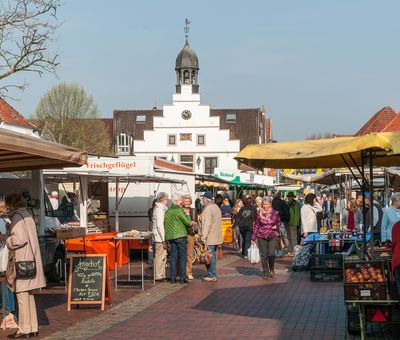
(87, 280)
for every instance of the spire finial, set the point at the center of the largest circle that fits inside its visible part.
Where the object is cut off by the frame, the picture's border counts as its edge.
(186, 29)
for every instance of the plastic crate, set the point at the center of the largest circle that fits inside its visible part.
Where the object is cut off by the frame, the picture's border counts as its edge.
(364, 290)
(330, 261)
(381, 254)
(326, 275)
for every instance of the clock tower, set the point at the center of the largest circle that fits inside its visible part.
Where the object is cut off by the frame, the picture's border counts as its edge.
(187, 72)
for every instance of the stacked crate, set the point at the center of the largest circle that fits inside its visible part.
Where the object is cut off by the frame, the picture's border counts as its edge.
(326, 268)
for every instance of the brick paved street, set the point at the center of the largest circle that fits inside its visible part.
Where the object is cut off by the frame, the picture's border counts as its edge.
(240, 305)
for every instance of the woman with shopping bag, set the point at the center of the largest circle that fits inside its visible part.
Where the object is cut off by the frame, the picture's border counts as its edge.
(266, 232)
(25, 270)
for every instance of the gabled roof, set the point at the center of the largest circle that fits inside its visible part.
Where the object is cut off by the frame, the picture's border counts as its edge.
(379, 121)
(394, 125)
(10, 116)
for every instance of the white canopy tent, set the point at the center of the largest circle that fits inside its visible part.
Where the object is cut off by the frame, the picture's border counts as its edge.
(85, 176)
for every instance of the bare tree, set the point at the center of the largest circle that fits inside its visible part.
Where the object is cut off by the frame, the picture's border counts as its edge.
(320, 135)
(26, 28)
(67, 115)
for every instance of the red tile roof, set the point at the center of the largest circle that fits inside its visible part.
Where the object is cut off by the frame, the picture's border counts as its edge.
(394, 125)
(162, 163)
(379, 121)
(10, 116)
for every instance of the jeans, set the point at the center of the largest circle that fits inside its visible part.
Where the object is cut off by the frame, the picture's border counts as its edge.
(9, 299)
(178, 251)
(292, 237)
(246, 236)
(212, 267)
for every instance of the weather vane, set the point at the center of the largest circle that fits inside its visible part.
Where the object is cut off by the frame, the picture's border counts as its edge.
(187, 23)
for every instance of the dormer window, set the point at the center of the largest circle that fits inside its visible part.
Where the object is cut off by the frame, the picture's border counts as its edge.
(124, 144)
(231, 117)
(140, 118)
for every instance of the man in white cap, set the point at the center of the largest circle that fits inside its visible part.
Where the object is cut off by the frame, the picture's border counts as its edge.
(54, 200)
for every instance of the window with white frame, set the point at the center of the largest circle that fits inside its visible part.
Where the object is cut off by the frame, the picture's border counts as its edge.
(171, 139)
(201, 139)
(124, 143)
(210, 164)
(186, 160)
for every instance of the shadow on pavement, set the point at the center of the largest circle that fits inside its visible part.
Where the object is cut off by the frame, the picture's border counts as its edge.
(254, 301)
(46, 301)
(248, 271)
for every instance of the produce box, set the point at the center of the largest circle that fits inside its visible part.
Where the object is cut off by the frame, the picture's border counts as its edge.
(326, 275)
(65, 234)
(364, 280)
(381, 254)
(332, 261)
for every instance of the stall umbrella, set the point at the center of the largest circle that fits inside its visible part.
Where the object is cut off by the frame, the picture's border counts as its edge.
(379, 149)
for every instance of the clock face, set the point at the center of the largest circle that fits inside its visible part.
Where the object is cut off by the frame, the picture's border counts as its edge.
(186, 114)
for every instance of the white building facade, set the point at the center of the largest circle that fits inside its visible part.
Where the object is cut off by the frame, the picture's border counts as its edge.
(186, 133)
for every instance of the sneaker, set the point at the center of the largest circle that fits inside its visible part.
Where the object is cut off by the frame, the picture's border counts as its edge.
(245, 257)
(190, 277)
(210, 279)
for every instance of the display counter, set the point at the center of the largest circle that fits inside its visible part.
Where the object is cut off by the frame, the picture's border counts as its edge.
(117, 252)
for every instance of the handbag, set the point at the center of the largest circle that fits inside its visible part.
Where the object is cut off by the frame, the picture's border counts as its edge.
(26, 269)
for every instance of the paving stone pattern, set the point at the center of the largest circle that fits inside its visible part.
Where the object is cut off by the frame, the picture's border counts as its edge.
(240, 305)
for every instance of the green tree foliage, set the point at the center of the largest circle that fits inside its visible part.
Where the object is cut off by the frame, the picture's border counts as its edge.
(67, 115)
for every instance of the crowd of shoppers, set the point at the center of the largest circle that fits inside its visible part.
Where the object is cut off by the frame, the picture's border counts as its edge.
(178, 227)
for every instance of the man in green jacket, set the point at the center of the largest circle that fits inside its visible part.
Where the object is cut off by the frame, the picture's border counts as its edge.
(294, 222)
(175, 224)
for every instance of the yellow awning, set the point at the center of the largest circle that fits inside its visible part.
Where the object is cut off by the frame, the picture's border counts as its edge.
(323, 153)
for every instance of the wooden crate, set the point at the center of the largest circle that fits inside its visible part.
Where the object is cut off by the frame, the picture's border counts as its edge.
(66, 234)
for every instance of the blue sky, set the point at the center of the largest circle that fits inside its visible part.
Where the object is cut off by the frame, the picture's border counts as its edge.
(316, 66)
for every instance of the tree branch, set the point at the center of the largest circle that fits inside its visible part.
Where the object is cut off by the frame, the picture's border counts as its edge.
(26, 29)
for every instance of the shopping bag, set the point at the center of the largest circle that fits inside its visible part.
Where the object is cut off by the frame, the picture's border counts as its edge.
(3, 258)
(253, 254)
(280, 244)
(203, 253)
(9, 322)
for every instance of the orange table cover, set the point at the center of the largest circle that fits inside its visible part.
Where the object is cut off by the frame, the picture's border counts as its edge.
(101, 244)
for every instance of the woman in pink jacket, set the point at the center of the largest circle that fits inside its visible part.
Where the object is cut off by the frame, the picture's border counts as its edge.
(266, 232)
(23, 244)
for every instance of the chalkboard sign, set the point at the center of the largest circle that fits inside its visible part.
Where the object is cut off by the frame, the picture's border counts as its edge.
(87, 280)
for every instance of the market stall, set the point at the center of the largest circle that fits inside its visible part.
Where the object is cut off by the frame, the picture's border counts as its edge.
(115, 244)
(364, 280)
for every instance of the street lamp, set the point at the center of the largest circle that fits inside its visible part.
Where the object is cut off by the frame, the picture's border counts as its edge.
(172, 159)
(198, 161)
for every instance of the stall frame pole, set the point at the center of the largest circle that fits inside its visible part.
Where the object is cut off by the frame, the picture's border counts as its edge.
(371, 195)
(116, 205)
